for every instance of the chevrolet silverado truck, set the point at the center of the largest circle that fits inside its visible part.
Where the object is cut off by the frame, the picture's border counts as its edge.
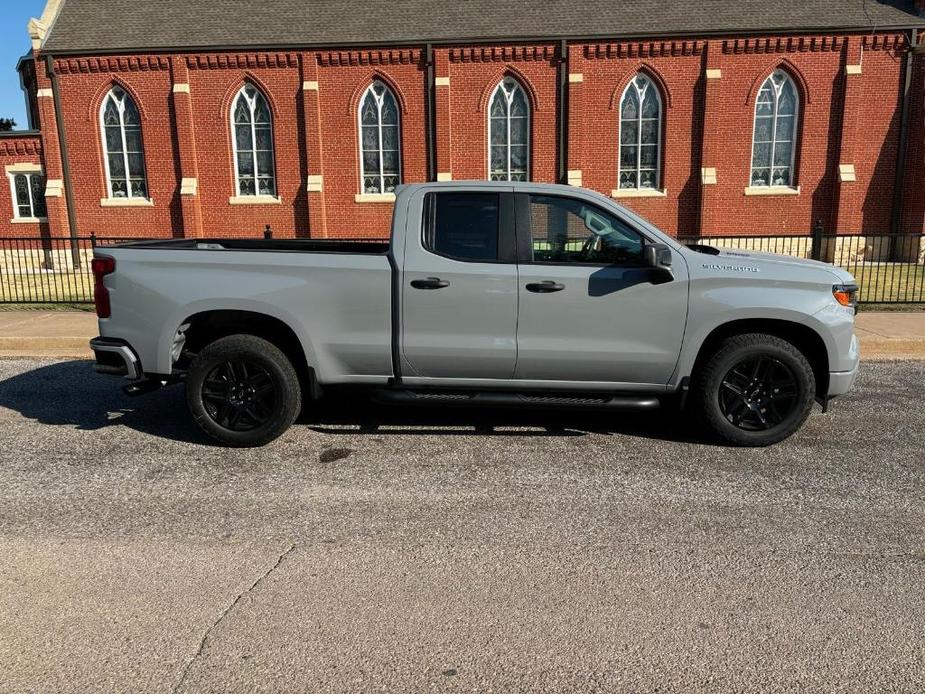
(502, 294)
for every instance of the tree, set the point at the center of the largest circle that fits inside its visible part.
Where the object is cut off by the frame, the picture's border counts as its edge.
(7, 124)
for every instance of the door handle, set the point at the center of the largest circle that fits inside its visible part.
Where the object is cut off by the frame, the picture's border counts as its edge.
(430, 283)
(547, 287)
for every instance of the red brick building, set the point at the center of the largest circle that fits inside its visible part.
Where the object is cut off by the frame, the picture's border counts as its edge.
(217, 117)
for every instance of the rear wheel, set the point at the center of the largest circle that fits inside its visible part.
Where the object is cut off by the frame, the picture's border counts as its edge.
(755, 390)
(243, 391)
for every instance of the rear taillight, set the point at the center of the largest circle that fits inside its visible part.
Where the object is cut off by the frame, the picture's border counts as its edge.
(101, 267)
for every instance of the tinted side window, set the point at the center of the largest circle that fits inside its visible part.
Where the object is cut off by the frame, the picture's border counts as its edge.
(463, 226)
(566, 230)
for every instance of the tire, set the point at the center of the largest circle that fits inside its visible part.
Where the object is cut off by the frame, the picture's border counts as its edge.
(755, 390)
(243, 391)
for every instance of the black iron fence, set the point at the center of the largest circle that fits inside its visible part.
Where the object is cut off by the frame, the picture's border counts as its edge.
(889, 268)
(48, 270)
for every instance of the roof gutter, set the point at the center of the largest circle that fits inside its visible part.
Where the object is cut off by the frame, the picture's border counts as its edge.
(484, 40)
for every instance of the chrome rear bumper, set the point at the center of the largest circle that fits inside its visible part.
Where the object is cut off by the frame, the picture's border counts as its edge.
(115, 358)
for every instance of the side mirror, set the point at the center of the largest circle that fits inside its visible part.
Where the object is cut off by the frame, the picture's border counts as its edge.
(658, 256)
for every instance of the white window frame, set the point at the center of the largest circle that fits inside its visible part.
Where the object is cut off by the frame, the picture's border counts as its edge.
(251, 103)
(661, 141)
(509, 97)
(120, 105)
(381, 175)
(795, 137)
(27, 170)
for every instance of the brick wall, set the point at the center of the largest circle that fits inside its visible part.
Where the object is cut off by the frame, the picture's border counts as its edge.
(850, 88)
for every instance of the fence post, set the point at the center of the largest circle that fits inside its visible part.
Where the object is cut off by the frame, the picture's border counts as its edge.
(75, 251)
(817, 240)
(268, 233)
(92, 239)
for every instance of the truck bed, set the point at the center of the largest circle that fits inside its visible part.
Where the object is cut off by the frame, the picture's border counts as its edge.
(363, 246)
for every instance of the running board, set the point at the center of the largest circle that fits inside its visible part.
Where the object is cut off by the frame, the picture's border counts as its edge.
(499, 399)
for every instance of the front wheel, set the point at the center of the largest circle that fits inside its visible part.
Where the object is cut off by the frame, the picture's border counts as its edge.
(755, 390)
(243, 391)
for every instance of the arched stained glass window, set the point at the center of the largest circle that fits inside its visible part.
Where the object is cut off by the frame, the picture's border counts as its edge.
(123, 147)
(508, 133)
(640, 134)
(774, 141)
(380, 140)
(252, 134)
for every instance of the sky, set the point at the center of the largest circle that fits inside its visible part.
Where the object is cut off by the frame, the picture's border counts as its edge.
(14, 43)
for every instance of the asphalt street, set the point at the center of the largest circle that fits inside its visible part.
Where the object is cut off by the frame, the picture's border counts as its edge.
(376, 549)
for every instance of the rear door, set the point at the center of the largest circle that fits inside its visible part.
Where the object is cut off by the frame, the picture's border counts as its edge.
(459, 285)
(590, 309)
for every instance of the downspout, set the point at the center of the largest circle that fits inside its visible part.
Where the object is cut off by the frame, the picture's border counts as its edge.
(65, 161)
(903, 145)
(430, 112)
(562, 77)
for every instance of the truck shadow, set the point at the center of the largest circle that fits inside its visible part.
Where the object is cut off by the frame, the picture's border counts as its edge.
(72, 394)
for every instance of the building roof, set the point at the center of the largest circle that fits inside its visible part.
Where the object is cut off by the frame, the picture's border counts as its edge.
(96, 26)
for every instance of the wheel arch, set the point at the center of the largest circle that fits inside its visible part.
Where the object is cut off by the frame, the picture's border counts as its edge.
(810, 343)
(210, 325)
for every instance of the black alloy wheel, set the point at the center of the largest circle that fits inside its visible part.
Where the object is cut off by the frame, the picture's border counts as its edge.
(239, 395)
(754, 390)
(758, 393)
(242, 390)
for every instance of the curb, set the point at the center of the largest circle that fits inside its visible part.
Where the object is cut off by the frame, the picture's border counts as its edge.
(897, 349)
(45, 347)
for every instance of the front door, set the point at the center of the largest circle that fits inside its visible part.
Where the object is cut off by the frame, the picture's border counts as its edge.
(590, 309)
(459, 287)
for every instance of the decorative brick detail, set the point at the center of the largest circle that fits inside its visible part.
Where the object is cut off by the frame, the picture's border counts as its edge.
(70, 66)
(383, 57)
(651, 49)
(502, 54)
(241, 61)
(783, 44)
(21, 146)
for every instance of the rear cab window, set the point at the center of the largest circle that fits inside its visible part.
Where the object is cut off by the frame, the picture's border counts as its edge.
(463, 226)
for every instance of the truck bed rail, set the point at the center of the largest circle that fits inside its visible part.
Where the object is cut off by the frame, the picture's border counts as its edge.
(364, 246)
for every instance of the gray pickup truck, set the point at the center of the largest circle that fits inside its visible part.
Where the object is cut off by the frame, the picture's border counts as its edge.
(502, 294)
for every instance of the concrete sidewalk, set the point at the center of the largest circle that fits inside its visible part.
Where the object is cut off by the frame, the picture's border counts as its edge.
(886, 335)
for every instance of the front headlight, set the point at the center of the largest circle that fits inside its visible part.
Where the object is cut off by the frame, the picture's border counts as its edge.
(846, 295)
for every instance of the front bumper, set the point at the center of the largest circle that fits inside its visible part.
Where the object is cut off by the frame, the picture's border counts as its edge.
(840, 382)
(116, 358)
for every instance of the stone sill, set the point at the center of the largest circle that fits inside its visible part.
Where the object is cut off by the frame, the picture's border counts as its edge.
(29, 220)
(772, 190)
(639, 193)
(254, 200)
(126, 202)
(374, 197)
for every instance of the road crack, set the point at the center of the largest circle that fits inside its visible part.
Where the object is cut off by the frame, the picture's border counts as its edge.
(225, 613)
